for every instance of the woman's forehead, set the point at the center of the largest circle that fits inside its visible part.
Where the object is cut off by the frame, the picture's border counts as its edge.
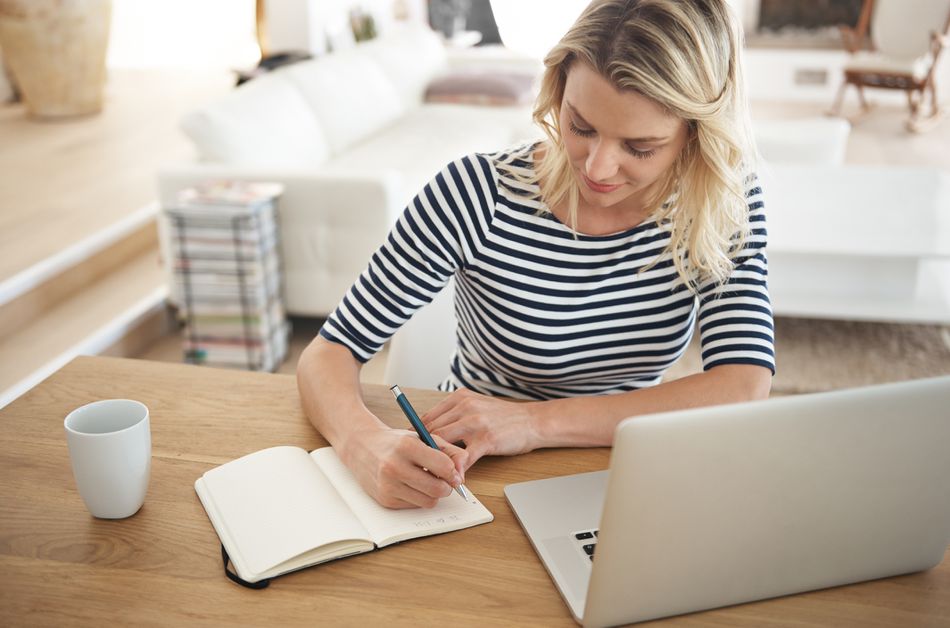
(624, 113)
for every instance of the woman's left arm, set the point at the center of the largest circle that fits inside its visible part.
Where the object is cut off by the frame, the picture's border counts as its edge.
(493, 426)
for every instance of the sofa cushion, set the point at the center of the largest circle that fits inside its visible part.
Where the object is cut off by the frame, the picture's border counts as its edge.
(425, 140)
(264, 122)
(349, 93)
(411, 56)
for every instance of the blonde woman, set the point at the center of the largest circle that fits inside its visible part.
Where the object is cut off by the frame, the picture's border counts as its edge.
(582, 262)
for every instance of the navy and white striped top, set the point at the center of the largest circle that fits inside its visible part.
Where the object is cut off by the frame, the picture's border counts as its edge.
(541, 313)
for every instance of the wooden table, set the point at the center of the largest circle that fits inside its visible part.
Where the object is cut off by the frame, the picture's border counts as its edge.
(60, 566)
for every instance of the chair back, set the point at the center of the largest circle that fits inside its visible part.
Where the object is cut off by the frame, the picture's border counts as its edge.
(420, 352)
(901, 28)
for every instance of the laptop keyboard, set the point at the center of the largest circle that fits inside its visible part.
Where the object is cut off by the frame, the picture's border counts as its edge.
(587, 541)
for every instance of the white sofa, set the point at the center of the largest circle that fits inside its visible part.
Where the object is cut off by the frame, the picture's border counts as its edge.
(351, 138)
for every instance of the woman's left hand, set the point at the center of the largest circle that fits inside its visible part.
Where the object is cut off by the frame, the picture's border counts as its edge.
(487, 426)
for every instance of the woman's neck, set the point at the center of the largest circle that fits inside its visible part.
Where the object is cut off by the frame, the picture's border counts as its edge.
(598, 221)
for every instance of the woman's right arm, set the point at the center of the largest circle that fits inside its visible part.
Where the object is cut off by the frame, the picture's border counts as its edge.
(388, 463)
(425, 247)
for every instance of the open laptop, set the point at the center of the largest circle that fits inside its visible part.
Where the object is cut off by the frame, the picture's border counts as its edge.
(716, 506)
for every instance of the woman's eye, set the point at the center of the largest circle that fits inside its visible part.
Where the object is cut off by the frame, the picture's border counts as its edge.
(576, 130)
(640, 154)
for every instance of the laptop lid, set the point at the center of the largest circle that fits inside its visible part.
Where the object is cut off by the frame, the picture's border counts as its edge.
(728, 504)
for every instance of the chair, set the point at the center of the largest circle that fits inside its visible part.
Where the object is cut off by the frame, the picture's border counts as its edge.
(420, 352)
(905, 46)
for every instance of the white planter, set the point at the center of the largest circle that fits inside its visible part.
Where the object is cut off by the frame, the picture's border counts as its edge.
(56, 51)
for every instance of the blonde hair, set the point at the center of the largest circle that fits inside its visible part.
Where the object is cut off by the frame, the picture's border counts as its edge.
(683, 55)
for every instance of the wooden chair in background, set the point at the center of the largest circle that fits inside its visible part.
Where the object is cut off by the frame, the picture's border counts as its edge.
(901, 52)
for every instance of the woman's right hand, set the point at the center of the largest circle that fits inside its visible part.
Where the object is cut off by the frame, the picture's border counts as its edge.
(389, 464)
(400, 471)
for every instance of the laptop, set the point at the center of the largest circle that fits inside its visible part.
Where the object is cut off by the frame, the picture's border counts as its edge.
(715, 506)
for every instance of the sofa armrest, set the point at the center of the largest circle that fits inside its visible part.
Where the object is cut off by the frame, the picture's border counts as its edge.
(331, 223)
(303, 187)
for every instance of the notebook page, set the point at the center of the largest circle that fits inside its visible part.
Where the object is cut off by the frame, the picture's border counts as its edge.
(276, 505)
(390, 526)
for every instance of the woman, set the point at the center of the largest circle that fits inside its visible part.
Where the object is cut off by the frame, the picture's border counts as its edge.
(581, 262)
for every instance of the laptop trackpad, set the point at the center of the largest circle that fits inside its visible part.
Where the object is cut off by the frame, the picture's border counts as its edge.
(573, 570)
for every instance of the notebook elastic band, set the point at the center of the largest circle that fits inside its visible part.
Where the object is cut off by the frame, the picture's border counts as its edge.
(260, 584)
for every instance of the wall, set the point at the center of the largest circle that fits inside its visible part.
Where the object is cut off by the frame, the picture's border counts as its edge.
(183, 33)
(316, 25)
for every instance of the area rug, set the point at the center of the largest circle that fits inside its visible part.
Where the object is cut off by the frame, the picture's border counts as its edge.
(816, 355)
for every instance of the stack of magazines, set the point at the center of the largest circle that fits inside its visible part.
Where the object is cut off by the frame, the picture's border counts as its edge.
(227, 274)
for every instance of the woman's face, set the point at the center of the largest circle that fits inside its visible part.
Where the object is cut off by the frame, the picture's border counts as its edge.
(618, 143)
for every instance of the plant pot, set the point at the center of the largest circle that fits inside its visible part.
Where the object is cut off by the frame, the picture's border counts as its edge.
(56, 51)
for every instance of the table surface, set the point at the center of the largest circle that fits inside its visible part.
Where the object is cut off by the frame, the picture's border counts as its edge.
(60, 566)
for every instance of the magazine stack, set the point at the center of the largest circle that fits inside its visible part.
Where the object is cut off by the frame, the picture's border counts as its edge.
(227, 274)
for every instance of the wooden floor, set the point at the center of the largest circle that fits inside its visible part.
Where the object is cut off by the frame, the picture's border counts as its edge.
(303, 330)
(62, 182)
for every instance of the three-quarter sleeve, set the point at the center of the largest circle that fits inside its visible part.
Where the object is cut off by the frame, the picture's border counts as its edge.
(423, 250)
(735, 317)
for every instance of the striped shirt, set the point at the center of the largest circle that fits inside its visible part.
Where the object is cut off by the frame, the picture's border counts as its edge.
(544, 313)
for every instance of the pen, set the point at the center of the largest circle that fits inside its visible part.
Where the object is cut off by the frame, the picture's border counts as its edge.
(421, 430)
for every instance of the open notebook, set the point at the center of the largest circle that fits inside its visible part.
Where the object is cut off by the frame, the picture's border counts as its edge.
(281, 509)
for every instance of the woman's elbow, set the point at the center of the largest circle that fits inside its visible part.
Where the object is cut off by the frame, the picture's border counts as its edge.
(746, 382)
(758, 383)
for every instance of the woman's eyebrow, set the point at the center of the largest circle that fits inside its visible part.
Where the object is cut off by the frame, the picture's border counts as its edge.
(576, 114)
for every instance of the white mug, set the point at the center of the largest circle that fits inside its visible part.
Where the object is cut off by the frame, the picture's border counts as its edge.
(110, 446)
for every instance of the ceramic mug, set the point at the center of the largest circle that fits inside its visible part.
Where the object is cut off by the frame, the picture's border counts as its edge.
(110, 447)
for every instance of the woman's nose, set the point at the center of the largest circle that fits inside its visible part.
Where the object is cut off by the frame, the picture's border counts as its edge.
(601, 162)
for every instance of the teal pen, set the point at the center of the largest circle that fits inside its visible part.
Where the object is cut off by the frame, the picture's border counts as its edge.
(421, 430)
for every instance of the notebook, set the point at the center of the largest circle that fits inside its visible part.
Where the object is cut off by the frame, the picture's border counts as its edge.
(281, 509)
(717, 506)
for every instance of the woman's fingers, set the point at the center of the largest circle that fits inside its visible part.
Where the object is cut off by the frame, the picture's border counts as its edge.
(451, 408)
(411, 486)
(398, 470)
(459, 456)
(443, 406)
(436, 461)
(401, 495)
(476, 449)
(456, 432)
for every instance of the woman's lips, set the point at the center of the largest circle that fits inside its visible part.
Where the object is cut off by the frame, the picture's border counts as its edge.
(599, 187)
